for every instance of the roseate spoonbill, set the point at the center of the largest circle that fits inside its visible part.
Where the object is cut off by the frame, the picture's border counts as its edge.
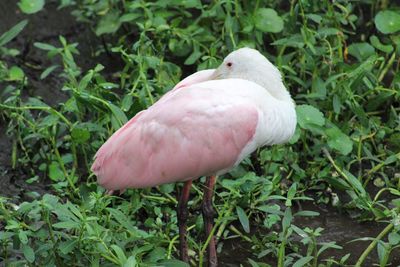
(204, 126)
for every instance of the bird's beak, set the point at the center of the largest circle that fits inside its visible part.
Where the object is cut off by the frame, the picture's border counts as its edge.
(216, 75)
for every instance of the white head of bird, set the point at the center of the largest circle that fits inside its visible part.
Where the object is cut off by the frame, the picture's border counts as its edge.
(249, 64)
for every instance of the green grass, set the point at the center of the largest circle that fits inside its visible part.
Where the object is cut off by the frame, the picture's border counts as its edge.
(340, 61)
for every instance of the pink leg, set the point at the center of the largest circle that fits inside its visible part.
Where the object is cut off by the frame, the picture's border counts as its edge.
(182, 217)
(208, 215)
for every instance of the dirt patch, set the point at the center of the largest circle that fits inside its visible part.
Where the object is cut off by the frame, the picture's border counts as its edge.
(45, 26)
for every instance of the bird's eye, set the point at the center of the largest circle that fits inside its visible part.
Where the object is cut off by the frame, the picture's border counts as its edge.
(229, 64)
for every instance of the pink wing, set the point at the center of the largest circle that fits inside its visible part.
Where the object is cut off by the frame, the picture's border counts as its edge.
(194, 132)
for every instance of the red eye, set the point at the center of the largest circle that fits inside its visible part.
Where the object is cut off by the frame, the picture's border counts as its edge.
(229, 64)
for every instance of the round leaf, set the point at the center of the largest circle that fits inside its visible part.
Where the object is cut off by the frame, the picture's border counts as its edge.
(267, 20)
(15, 74)
(387, 21)
(339, 141)
(31, 6)
(308, 116)
(80, 135)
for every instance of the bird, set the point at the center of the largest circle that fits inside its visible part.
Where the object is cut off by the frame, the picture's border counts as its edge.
(205, 126)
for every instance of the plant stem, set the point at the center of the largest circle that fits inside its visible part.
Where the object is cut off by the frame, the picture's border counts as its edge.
(373, 244)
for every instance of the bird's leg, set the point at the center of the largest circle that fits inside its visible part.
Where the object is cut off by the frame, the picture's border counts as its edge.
(182, 217)
(208, 215)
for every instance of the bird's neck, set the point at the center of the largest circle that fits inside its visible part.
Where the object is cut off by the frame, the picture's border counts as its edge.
(280, 93)
(274, 86)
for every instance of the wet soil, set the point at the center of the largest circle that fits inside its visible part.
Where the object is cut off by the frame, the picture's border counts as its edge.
(338, 227)
(45, 26)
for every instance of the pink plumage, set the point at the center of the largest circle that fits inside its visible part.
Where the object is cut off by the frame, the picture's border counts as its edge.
(185, 136)
(204, 126)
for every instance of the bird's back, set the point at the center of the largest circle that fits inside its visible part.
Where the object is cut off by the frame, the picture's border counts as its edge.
(201, 129)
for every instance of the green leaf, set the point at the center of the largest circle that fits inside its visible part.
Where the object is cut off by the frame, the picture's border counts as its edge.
(308, 116)
(290, 195)
(193, 57)
(44, 46)
(303, 261)
(80, 135)
(361, 51)
(131, 262)
(29, 254)
(267, 20)
(15, 74)
(67, 225)
(378, 45)
(118, 114)
(47, 72)
(394, 239)
(31, 6)
(23, 237)
(355, 183)
(388, 21)
(129, 17)
(85, 81)
(120, 254)
(12, 33)
(55, 172)
(110, 23)
(244, 220)
(339, 141)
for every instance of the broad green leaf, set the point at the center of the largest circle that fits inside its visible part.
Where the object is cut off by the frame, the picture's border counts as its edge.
(388, 21)
(339, 141)
(394, 238)
(110, 23)
(193, 57)
(80, 135)
(5, 235)
(68, 246)
(29, 254)
(15, 74)
(129, 17)
(120, 254)
(31, 6)
(308, 116)
(131, 262)
(361, 51)
(12, 33)
(35, 102)
(55, 172)
(244, 220)
(267, 20)
(23, 237)
(118, 114)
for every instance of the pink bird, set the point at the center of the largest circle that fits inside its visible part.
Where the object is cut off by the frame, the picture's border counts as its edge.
(207, 124)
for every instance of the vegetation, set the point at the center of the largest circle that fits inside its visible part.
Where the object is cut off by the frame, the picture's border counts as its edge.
(340, 60)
